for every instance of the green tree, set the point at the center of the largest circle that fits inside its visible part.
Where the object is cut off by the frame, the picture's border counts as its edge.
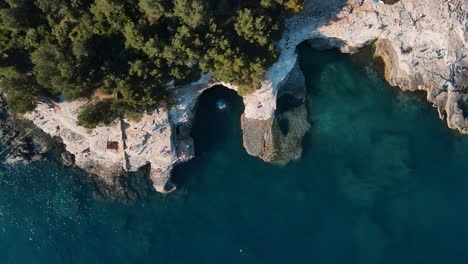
(20, 88)
(295, 6)
(110, 12)
(192, 13)
(132, 48)
(93, 115)
(12, 19)
(154, 9)
(46, 59)
(133, 36)
(254, 28)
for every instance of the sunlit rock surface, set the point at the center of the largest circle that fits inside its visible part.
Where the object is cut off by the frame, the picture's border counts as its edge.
(422, 42)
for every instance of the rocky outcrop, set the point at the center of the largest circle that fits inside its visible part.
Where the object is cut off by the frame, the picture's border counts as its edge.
(427, 50)
(422, 42)
(67, 159)
(267, 139)
(278, 139)
(111, 153)
(22, 141)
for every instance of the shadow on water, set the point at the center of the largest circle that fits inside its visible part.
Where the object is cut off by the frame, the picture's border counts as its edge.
(212, 127)
(316, 61)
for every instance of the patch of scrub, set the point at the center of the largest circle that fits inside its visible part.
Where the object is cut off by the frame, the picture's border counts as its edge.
(391, 2)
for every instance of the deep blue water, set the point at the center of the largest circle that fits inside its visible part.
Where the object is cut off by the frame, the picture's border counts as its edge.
(382, 180)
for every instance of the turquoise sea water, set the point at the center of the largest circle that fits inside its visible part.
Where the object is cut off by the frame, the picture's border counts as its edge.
(382, 180)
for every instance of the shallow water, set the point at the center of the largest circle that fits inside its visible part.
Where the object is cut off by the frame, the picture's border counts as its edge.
(382, 180)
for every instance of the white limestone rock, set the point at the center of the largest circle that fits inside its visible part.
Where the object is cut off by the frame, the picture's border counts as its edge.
(422, 42)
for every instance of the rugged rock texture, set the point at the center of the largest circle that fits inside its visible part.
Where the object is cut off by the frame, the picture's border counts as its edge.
(268, 141)
(427, 50)
(159, 139)
(22, 141)
(67, 159)
(265, 139)
(422, 42)
(259, 139)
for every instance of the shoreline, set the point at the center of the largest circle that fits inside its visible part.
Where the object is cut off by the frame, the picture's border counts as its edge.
(162, 139)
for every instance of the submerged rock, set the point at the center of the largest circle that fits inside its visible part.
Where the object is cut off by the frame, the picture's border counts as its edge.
(67, 159)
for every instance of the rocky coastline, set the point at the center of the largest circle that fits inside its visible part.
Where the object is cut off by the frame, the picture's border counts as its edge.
(423, 44)
(22, 141)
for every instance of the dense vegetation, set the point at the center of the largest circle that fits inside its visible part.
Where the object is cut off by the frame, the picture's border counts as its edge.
(133, 48)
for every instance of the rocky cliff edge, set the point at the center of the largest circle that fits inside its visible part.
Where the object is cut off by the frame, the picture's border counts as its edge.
(422, 42)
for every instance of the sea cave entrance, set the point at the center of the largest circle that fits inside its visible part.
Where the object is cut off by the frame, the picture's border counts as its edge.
(213, 128)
